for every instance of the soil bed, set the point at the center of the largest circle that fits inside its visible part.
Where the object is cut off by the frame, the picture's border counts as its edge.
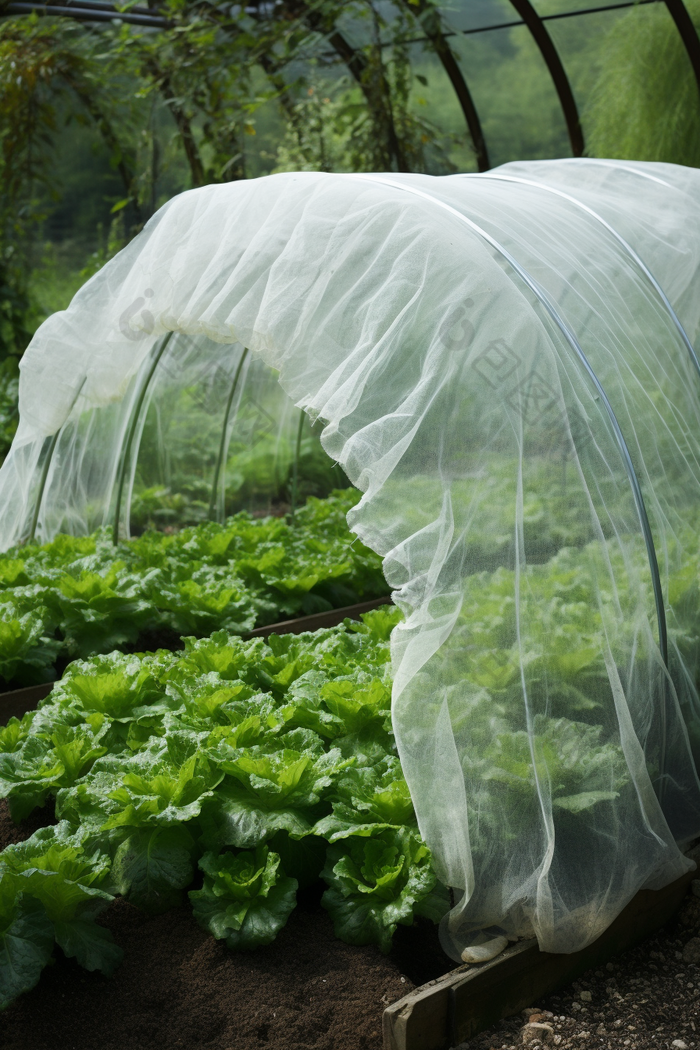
(179, 988)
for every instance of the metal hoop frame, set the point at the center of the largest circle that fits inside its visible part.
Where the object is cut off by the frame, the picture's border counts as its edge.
(573, 342)
(435, 35)
(626, 247)
(132, 424)
(51, 443)
(556, 70)
(569, 335)
(218, 469)
(143, 383)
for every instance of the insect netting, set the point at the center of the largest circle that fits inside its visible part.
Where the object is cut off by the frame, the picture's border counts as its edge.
(202, 430)
(503, 364)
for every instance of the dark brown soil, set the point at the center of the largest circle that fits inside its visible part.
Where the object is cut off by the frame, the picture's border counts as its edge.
(153, 638)
(179, 988)
(11, 832)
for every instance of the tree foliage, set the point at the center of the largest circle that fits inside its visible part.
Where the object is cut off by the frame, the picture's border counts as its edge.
(645, 104)
(46, 67)
(194, 91)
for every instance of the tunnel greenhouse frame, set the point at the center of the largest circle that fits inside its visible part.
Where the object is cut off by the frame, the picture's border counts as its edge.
(585, 271)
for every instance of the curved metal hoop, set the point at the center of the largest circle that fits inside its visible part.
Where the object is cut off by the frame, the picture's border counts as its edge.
(42, 484)
(578, 350)
(688, 33)
(224, 428)
(295, 467)
(436, 36)
(131, 430)
(53, 441)
(103, 10)
(625, 245)
(556, 69)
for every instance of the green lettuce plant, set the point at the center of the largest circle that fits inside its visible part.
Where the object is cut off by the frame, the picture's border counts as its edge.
(80, 596)
(42, 764)
(141, 806)
(98, 612)
(376, 883)
(246, 899)
(205, 601)
(51, 892)
(272, 762)
(26, 941)
(27, 652)
(368, 800)
(268, 791)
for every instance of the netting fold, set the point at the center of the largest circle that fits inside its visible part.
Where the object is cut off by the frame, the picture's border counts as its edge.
(504, 366)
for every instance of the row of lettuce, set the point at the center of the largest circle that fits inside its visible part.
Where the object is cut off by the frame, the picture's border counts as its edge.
(78, 596)
(262, 765)
(240, 771)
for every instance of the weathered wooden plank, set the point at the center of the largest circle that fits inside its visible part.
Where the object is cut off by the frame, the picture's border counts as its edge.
(471, 998)
(19, 701)
(330, 618)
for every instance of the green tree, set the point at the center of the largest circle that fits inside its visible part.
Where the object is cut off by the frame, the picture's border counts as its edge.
(645, 104)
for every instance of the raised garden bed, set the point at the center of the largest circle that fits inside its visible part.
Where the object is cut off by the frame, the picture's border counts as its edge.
(469, 999)
(18, 701)
(178, 987)
(307, 988)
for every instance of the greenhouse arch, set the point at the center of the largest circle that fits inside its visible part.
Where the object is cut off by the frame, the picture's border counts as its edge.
(573, 341)
(433, 29)
(504, 365)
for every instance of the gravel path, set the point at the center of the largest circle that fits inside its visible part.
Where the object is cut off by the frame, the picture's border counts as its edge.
(646, 999)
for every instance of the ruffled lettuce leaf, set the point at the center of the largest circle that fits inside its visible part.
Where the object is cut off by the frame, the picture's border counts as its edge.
(13, 735)
(43, 764)
(265, 792)
(27, 651)
(60, 869)
(116, 685)
(224, 653)
(246, 899)
(161, 786)
(366, 800)
(581, 770)
(205, 600)
(152, 867)
(375, 883)
(100, 611)
(26, 942)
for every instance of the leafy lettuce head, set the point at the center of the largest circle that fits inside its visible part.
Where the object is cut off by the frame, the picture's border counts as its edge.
(376, 883)
(246, 899)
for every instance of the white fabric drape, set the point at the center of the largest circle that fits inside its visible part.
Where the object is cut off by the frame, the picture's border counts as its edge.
(439, 327)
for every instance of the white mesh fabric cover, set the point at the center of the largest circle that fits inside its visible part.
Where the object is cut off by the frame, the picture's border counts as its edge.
(548, 750)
